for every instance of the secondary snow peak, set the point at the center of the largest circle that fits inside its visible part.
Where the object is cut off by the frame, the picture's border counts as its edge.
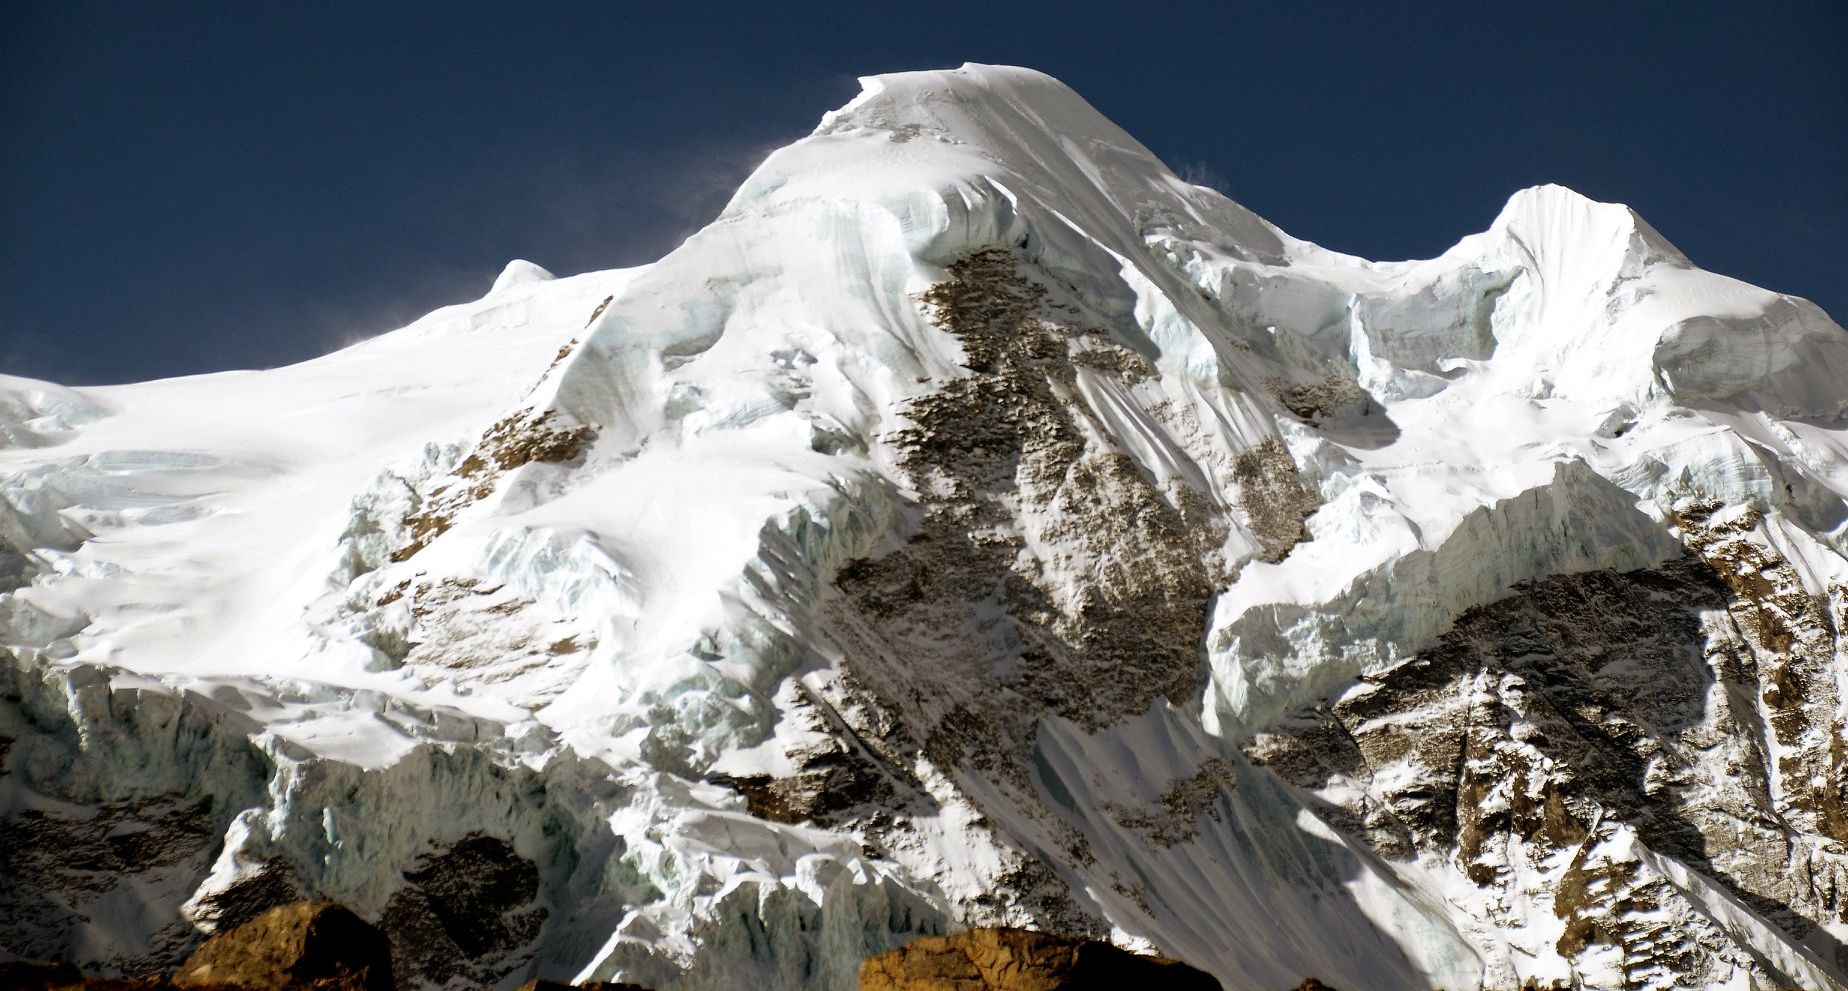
(519, 272)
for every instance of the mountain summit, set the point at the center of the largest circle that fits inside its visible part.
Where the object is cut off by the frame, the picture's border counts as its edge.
(974, 525)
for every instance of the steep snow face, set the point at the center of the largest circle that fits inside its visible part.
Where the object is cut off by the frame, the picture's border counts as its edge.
(975, 524)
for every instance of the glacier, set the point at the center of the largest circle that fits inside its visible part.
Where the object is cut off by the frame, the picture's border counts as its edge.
(975, 524)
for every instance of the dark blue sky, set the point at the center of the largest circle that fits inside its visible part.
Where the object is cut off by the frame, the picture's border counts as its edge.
(190, 187)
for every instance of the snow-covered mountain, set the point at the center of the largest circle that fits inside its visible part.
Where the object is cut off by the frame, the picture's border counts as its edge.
(975, 524)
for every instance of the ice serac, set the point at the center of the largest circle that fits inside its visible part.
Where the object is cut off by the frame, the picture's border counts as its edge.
(974, 526)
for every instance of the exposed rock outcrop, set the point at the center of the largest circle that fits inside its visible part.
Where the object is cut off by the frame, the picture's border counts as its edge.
(1586, 724)
(1021, 960)
(307, 946)
(463, 910)
(1050, 574)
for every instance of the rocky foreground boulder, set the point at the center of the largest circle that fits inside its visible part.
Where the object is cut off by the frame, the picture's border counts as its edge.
(1021, 960)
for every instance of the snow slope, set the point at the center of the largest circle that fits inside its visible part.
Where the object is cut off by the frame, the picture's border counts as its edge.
(974, 524)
